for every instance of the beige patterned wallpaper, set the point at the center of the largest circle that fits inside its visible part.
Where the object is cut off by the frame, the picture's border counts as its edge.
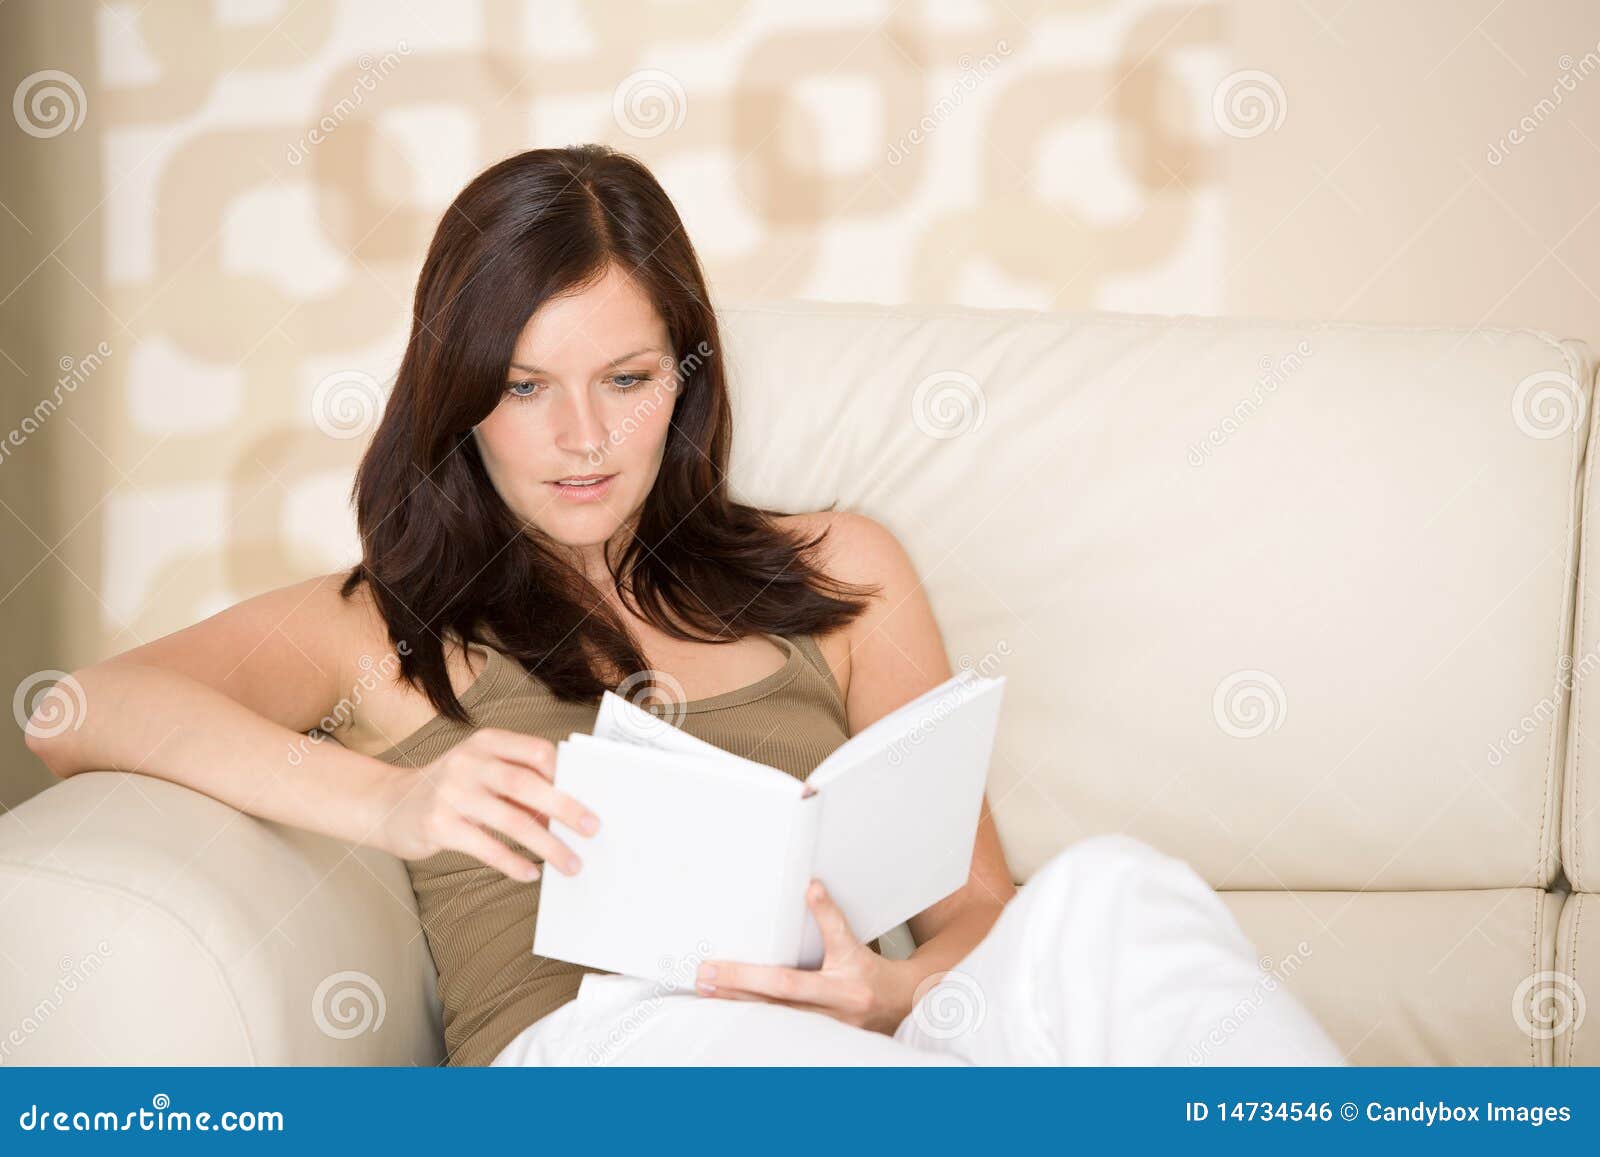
(214, 213)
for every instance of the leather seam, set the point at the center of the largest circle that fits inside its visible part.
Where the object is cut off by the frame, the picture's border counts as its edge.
(1570, 839)
(1572, 964)
(1567, 645)
(1539, 895)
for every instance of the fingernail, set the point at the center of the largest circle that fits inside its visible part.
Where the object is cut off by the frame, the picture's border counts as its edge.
(588, 825)
(530, 873)
(708, 973)
(708, 989)
(573, 864)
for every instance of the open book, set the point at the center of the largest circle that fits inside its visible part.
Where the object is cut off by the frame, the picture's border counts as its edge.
(702, 854)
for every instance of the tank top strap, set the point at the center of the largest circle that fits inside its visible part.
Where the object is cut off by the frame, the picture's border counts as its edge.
(807, 645)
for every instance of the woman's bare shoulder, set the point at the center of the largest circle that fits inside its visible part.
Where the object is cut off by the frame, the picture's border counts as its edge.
(364, 624)
(854, 549)
(379, 708)
(893, 649)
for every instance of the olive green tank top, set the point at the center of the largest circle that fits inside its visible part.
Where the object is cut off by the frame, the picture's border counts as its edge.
(479, 922)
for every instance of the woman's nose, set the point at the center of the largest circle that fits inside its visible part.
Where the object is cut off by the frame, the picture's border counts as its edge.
(580, 426)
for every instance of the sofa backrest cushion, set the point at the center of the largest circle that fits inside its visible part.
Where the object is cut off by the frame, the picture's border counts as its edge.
(1290, 601)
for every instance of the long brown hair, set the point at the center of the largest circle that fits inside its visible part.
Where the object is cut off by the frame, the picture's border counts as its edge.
(443, 554)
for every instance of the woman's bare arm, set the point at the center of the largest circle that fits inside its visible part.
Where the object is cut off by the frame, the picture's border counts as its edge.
(223, 707)
(896, 654)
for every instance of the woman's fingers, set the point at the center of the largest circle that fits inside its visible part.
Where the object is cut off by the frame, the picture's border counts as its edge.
(500, 781)
(507, 817)
(837, 939)
(840, 987)
(506, 771)
(770, 981)
(515, 747)
(465, 836)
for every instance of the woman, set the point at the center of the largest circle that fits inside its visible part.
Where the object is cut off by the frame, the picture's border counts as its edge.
(544, 515)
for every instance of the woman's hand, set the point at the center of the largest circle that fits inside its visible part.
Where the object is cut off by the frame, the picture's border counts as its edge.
(854, 984)
(493, 778)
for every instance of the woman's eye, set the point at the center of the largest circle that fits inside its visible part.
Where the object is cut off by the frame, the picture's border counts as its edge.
(622, 382)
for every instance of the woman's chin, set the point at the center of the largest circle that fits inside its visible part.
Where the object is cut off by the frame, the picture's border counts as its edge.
(582, 529)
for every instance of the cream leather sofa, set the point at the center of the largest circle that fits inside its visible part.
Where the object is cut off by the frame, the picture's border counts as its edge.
(1303, 604)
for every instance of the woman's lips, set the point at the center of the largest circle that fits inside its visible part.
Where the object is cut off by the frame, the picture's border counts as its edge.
(591, 493)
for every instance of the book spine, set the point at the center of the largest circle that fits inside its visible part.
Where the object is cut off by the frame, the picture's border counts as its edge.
(790, 913)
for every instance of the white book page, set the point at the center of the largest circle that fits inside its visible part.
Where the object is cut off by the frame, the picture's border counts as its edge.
(620, 721)
(892, 726)
(689, 863)
(898, 826)
(626, 722)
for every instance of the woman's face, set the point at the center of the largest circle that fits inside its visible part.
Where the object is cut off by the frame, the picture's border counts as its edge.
(589, 391)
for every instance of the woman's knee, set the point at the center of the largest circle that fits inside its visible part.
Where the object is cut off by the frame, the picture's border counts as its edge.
(1108, 854)
(1122, 870)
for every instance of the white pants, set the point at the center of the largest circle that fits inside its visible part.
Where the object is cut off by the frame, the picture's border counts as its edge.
(1112, 954)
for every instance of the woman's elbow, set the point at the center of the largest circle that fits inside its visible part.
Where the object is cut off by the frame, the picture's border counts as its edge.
(52, 726)
(48, 750)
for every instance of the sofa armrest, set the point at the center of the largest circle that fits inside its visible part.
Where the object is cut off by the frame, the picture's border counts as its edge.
(144, 923)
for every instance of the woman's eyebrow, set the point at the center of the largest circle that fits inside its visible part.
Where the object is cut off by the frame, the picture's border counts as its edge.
(536, 370)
